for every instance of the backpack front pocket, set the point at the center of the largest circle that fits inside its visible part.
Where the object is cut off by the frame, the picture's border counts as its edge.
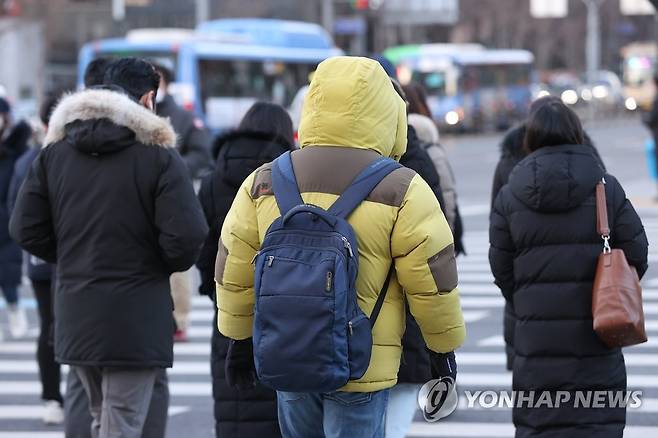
(360, 345)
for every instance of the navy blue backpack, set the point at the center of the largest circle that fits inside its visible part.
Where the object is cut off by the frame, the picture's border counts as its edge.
(309, 333)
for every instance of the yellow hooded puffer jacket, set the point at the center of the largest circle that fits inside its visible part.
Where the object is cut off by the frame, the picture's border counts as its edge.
(352, 115)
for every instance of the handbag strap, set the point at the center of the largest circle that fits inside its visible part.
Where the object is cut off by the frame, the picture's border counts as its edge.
(602, 223)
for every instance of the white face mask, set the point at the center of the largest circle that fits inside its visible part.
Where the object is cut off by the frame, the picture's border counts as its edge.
(161, 95)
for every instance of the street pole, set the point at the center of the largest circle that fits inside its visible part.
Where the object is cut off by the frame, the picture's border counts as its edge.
(202, 11)
(118, 10)
(593, 37)
(328, 16)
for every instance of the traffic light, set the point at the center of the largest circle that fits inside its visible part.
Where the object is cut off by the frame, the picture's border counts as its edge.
(360, 4)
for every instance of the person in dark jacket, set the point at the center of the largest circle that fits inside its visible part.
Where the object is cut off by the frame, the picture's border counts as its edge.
(512, 151)
(14, 140)
(264, 133)
(110, 202)
(543, 254)
(418, 364)
(40, 274)
(193, 138)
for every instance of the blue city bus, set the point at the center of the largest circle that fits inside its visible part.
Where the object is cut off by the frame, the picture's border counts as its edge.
(224, 66)
(469, 87)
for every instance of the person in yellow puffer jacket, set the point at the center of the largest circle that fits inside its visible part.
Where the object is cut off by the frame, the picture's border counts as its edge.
(351, 115)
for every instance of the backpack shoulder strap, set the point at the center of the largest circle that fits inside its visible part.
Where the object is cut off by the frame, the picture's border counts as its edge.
(284, 184)
(362, 185)
(382, 296)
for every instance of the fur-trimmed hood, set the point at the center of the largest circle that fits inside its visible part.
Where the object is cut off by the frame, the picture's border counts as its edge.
(118, 108)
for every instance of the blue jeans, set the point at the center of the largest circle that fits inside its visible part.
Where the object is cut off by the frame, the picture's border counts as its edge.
(402, 405)
(333, 415)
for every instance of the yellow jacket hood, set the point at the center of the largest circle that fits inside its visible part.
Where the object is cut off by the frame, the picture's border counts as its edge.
(352, 103)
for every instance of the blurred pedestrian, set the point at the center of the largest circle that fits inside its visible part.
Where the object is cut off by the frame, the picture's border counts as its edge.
(512, 152)
(265, 132)
(651, 120)
(40, 274)
(193, 144)
(418, 364)
(544, 251)
(109, 200)
(193, 139)
(14, 139)
(351, 117)
(421, 119)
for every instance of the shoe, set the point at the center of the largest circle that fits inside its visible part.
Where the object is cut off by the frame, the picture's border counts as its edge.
(180, 336)
(17, 321)
(53, 413)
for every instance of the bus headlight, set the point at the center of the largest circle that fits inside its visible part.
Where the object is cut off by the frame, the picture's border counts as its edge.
(630, 104)
(452, 118)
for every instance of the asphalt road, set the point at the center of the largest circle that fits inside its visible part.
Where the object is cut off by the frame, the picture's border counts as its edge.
(481, 359)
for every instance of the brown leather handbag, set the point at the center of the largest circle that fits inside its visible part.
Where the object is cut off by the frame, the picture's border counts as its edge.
(617, 294)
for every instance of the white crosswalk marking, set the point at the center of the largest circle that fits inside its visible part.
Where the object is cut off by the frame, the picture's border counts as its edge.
(481, 363)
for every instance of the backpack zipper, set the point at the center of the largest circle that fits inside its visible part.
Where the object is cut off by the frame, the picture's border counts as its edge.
(270, 260)
(347, 245)
(349, 325)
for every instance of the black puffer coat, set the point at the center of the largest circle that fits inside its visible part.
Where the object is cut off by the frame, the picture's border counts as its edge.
(415, 360)
(11, 148)
(238, 413)
(109, 200)
(511, 154)
(544, 249)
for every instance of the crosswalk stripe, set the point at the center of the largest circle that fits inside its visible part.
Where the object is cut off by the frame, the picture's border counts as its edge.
(473, 316)
(486, 302)
(496, 430)
(32, 434)
(33, 412)
(33, 387)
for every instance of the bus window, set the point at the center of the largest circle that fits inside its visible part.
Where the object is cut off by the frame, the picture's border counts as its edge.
(229, 87)
(434, 82)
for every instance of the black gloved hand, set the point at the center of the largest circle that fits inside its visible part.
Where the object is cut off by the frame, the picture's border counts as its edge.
(443, 365)
(239, 367)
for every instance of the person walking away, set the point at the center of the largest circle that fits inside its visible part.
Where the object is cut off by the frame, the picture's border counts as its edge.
(193, 144)
(512, 151)
(40, 274)
(417, 363)
(421, 120)
(109, 201)
(399, 226)
(14, 140)
(543, 254)
(265, 132)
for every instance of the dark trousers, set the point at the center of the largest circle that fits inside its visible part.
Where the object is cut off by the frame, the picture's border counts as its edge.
(49, 370)
(10, 291)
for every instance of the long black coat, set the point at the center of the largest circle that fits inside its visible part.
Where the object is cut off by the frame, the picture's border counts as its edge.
(512, 152)
(109, 200)
(238, 413)
(11, 148)
(544, 250)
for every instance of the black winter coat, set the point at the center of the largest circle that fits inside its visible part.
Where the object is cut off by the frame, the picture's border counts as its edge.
(415, 361)
(544, 250)
(37, 269)
(109, 200)
(11, 148)
(238, 413)
(193, 137)
(511, 153)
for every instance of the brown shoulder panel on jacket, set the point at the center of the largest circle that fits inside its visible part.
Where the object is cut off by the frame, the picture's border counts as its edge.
(220, 264)
(444, 269)
(331, 169)
(262, 185)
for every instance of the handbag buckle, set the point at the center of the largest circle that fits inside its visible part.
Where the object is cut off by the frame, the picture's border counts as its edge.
(606, 245)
